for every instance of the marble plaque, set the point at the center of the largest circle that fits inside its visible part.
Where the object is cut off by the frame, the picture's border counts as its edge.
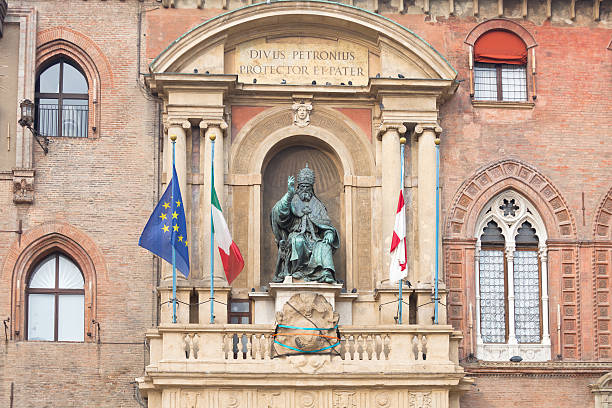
(301, 60)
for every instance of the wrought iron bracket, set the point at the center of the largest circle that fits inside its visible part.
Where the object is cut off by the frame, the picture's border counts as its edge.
(44, 144)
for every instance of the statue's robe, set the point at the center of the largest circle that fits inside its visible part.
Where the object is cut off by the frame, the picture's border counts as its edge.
(299, 228)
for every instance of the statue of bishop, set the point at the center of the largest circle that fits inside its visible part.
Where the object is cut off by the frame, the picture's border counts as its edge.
(304, 233)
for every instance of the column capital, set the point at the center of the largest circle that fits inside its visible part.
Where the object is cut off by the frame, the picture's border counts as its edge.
(210, 123)
(421, 127)
(176, 122)
(386, 126)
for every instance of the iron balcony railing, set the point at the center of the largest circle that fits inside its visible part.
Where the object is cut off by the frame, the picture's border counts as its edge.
(74, 120)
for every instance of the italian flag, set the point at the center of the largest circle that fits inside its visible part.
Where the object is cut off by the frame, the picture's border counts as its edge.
(397, 268)
(230, 254)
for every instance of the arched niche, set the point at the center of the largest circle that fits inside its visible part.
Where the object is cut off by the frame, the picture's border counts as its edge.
(287, 159)
(341, 154)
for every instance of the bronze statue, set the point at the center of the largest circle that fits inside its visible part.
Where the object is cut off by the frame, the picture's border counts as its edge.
(304, 233)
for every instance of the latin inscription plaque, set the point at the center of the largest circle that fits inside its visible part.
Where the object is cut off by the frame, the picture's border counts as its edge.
(301, 61)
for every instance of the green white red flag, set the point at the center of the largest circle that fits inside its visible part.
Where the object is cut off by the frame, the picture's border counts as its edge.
(232, 260)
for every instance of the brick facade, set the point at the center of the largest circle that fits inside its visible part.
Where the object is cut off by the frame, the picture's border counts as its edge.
(94, 195)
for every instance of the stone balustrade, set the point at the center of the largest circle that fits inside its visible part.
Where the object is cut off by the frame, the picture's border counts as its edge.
(231, 365)
(388, 345)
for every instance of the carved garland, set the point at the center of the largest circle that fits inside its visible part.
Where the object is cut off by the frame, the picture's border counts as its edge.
(505, 174)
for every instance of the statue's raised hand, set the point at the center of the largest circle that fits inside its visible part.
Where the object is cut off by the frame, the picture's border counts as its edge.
(291, 185)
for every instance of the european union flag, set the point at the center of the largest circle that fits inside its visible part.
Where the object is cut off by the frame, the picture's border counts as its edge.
(167, 228)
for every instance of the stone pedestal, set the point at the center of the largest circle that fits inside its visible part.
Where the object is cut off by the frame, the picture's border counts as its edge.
(222, 295)
(182, 306)
(283, 291)
(388, 301)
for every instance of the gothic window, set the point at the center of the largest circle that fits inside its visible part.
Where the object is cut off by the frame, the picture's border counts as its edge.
(55, 299)
(500, 67)
(62, 100)
(511, 281)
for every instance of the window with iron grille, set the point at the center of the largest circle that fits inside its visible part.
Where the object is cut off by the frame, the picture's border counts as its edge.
(62, 100)
(500, 67)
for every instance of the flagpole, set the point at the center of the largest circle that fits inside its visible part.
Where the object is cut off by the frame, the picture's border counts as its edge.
(402, 143)
(212, 230)
(173, 139)
(436, 300)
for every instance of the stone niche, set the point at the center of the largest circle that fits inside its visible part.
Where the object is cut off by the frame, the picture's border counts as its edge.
(328, 188)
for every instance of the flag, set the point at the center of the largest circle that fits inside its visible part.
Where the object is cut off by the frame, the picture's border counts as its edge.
(230, 254)
(167, 228)
(397, 268)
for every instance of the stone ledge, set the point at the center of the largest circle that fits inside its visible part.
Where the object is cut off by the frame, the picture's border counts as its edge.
(503, 105)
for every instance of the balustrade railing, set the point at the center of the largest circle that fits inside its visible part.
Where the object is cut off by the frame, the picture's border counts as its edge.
(256, 342)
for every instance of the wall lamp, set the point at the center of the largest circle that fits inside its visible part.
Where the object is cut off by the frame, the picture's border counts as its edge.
(27, 120)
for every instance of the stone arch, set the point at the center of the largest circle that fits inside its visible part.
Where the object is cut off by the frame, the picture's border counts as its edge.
(262, 133)
(502, 175)
(602, 228)
(500, 24)
(39, 242)
(83, 51)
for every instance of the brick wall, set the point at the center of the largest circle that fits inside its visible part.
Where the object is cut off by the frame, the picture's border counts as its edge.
(105, 187)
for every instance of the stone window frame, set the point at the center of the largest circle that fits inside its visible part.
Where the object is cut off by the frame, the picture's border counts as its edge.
(503, 24)
(509, 225)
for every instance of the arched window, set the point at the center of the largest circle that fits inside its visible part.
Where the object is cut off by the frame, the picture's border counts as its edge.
(62, 100)
(511, 281)
(500, 67)
(55, 299)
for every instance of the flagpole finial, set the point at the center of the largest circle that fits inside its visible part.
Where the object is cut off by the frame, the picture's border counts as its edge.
(212, 136)
(437, 140)
(402, 140)
(173, 138)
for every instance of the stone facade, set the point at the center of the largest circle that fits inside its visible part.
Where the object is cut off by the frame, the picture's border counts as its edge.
(187, 68)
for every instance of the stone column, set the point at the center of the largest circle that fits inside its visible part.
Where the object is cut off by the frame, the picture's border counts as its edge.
(544, 268)
(214, 129)
(510, 260)
(176, 127)
(426, 201)
(390, 169)
(477, 290)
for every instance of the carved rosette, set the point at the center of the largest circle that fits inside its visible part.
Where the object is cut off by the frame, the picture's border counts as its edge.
(306, 310)
(23, 186)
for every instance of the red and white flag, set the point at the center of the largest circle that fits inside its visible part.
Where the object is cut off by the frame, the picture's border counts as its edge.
(397, 268)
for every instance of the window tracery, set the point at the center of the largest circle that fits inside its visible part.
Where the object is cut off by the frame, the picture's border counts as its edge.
(511, 280)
